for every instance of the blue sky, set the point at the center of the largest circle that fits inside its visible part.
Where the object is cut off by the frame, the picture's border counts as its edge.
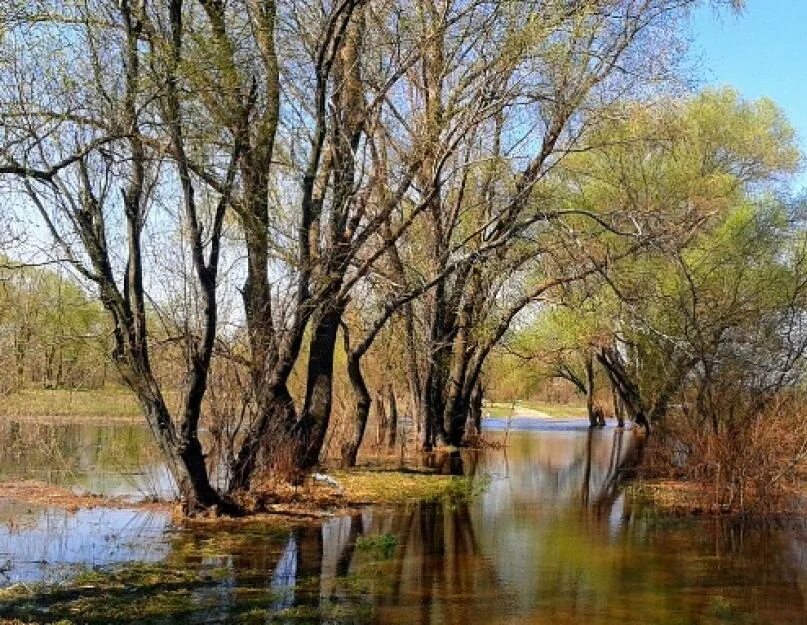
(762, 52)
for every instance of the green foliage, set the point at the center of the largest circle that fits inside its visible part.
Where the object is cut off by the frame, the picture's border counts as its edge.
(380, 545)
(52, 330)
(719, 265)
(464, 490)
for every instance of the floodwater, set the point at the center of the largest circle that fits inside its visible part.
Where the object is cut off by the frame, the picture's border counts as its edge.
(549, 540)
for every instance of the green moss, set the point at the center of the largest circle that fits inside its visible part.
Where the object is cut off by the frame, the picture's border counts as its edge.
(398, 487)
(110, 606)
(327, 611)
(381, 545)
(158, 594)
(255, 616)
(137, 592)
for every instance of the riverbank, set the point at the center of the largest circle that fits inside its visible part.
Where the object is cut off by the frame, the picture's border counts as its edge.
(545, 531)
(533, 409)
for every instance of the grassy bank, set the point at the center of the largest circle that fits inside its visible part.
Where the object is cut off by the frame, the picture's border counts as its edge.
(352, 488)
(363, 487)
(538, 409)
(96, 404)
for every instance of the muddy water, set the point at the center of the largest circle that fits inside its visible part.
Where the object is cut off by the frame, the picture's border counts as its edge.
(548, 541)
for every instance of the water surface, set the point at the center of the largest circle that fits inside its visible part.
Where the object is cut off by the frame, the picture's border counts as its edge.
(550, 540)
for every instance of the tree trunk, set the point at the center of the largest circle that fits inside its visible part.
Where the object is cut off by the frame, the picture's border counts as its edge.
(358, 425)
(626, 388)
(392, 422)
(313, 424)
(412, 371)
(592, 418)
(381, 420)
(473, 427)
(457, 403)
(275, 413)
(185, 460)
(619, 410)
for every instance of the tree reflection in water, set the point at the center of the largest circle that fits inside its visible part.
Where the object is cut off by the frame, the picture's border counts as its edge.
(552, 539)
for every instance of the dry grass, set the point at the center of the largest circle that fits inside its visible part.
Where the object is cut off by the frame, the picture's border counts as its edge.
(676, 497)
(357, 487)
(42, 494)
(755, 464)
(106, 404)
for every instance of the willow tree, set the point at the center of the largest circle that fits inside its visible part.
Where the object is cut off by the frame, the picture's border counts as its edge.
(308, 142)
(720, 273)
(563, 70)
(183, 120)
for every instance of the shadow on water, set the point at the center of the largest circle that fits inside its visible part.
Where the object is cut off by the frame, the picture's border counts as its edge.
(551, 539)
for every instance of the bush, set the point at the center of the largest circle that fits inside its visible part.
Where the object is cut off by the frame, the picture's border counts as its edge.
(754, 463)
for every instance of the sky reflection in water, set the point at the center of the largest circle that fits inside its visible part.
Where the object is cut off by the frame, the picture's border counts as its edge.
(548, 542)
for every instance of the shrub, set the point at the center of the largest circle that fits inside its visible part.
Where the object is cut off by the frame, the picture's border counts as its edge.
(753, 463)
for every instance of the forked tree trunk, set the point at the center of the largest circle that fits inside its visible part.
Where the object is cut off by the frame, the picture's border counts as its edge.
(184, 457)
(275, 414)
(313, 424)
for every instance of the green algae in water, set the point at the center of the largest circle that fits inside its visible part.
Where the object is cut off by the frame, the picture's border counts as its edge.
(134, 593)
(380, 545)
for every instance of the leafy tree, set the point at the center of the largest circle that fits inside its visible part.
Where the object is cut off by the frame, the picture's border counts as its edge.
(197, 152)
(53, 331)
(722, 285)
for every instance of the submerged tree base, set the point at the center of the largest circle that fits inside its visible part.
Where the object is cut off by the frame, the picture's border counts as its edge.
(317, 497)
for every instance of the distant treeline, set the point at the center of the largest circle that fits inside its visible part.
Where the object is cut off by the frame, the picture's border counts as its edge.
(53, 334)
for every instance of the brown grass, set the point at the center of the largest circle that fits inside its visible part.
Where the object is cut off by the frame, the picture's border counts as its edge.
(105, 404)
(756, 464)
(42, 494)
